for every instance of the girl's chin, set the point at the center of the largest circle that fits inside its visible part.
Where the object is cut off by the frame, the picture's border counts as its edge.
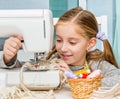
(68, 62)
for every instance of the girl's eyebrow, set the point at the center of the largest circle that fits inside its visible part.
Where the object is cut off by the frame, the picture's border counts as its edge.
(70, 38)
(74, 39)
(57, 36)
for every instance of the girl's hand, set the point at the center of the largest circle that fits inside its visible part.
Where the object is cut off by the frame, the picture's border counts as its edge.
(11, 47)
(63, 66)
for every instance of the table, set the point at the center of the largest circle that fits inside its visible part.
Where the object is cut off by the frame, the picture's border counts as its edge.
(63, 93)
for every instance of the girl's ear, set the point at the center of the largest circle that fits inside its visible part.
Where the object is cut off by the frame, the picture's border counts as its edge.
(91, 43)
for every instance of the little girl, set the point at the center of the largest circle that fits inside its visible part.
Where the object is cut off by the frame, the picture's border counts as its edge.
(76, 35)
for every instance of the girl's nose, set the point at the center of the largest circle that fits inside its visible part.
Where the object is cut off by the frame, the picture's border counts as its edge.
(64, 47)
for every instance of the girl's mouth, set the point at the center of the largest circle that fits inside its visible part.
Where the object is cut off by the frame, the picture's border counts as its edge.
(65, 56)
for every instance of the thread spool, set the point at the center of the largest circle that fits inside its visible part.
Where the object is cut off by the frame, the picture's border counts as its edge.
(94, 73)
(70, 74)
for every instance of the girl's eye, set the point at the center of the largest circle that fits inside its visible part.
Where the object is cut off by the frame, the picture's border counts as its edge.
(58, 41)
(72, 43)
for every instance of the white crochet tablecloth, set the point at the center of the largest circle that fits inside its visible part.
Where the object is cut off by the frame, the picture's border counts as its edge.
(63, 93)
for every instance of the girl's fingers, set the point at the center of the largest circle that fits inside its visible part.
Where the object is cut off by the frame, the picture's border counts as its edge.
(63, 66)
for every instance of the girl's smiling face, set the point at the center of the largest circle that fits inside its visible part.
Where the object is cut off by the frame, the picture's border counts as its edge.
(71, 46)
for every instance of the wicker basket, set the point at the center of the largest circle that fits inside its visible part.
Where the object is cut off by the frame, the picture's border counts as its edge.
(83, 88)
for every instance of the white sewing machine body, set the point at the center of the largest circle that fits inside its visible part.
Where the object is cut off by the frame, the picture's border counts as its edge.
(36, 27)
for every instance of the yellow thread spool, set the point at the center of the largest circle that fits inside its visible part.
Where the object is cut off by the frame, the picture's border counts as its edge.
(84, 71)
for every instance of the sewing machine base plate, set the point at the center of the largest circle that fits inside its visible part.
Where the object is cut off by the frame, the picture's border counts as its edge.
(41, 78)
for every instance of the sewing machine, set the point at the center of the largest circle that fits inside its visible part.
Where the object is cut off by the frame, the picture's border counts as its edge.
(36, 27)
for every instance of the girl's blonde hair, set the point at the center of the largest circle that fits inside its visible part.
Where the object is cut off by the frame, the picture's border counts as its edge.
(87, 21)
